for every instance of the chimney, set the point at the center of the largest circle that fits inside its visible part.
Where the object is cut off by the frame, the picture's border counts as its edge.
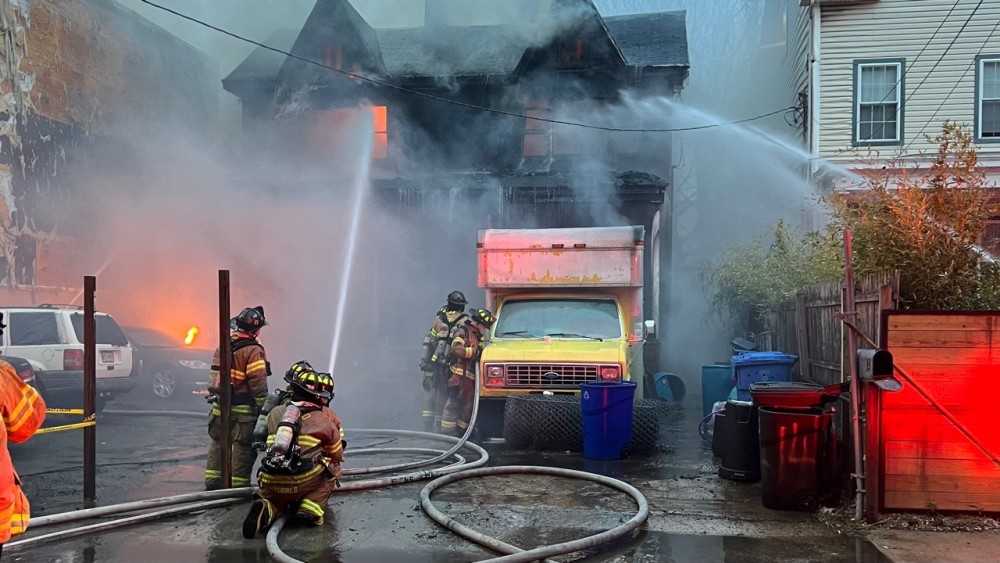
(435, 14)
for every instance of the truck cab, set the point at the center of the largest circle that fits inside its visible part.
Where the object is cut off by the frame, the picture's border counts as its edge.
(569, 310)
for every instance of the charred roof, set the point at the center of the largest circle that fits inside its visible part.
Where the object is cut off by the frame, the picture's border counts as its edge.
(641, 41)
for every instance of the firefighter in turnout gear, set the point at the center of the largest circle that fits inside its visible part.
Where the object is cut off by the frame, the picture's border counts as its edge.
(23, 413)
(302, 464)
(248, 390)
(436, 360)
(466, 346)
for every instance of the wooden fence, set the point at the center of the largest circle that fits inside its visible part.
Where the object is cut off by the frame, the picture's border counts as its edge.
(809, 328)
(918, 459)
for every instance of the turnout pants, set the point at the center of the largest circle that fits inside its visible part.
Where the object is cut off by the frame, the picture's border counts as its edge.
(241, 434)
(436, 399)
(310, 491)
(458, 410)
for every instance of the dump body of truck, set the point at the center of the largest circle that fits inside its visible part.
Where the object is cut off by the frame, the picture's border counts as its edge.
(569, 309)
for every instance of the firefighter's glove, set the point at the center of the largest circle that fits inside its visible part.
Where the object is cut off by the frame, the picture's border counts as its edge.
(428, 380)
(212, 399)
(453, 391)
(426, 366)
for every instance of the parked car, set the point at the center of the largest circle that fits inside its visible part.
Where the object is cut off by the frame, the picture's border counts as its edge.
(168, 368)
(50, 337)
(25, 372)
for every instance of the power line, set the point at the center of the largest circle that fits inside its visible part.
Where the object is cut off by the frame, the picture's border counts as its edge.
(946, 49)
(910, 66)
(452, 101)
(929, 72)
(955, 87)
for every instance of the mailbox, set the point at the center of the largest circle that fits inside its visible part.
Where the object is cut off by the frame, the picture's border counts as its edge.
(875, 366)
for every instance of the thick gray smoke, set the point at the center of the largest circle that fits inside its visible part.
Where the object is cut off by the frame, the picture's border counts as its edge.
(280, 217)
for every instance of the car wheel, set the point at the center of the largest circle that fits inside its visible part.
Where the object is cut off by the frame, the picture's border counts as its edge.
(164, 384)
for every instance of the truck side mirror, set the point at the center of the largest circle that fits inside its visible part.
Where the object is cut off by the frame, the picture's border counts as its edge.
(648, 329)
(875, 366)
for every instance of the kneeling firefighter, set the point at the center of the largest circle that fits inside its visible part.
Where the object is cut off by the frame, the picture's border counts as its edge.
(465, 349)
(302, 464)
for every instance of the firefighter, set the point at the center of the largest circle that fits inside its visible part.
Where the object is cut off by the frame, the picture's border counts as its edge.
(248, 390)
(23, 413)
(465, 349)
(436, 359)
(302, 464)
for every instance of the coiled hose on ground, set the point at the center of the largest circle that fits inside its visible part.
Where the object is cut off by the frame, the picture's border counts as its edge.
(459, 470)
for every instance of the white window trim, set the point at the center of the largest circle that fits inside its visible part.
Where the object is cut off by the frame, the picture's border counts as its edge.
(857, 103)
(980, 98)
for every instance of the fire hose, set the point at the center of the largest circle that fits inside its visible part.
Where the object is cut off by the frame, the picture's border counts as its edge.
(442, 476)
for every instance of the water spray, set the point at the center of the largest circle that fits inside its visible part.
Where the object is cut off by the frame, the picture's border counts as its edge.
(361, 181)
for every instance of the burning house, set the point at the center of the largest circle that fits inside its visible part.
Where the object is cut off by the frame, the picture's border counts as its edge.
(522, 162)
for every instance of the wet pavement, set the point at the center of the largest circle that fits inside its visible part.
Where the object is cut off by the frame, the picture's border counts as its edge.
(694, 515)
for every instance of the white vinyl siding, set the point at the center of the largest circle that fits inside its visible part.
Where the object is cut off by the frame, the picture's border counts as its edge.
(988, 101)
(899, 29)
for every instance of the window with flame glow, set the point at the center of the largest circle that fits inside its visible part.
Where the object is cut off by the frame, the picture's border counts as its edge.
(380, 144)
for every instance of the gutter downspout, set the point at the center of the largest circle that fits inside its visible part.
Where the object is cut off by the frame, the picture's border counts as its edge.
(815, 33)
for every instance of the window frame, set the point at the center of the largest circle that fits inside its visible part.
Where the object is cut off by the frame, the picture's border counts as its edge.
(981, 60)
(859, 64)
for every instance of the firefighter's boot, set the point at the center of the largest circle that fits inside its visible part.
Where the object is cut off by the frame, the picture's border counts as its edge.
(429, 425)
(257, 519)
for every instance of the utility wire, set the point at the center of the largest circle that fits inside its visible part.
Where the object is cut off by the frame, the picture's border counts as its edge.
(907, 70)
(452, 101)
(957, 82)
(946, 49)
(938, 62)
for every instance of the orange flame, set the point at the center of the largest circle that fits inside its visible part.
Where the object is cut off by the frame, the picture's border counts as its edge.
(191, 333)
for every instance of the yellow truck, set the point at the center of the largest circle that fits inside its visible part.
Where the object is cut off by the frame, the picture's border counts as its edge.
(569, 307)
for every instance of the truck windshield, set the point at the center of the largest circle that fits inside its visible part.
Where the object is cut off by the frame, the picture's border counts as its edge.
(561, 318)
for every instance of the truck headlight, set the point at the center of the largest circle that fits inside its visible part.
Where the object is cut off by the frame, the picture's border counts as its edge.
(494, 376)
(610, 373)
(194, 364)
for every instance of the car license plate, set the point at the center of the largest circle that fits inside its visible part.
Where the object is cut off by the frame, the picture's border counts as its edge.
(107, 356)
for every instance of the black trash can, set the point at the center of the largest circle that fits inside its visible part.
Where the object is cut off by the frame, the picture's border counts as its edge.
(794, 457)
(740, 443)
(718, 433)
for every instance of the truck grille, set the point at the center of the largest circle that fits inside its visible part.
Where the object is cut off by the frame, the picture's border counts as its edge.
(534, 375)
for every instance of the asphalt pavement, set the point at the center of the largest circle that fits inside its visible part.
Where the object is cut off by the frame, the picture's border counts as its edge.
(694, 515)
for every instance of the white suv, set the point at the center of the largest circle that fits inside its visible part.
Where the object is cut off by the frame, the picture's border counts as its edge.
(50, 337)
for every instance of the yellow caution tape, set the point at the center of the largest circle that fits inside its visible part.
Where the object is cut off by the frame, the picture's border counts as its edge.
(66, 427)
(64, 411)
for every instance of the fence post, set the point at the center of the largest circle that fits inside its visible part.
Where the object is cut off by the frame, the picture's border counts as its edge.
(802, 336)
(225, 381)
(89, 392)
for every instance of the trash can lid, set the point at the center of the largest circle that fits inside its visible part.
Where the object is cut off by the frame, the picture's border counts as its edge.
(786, 394)
(764, 358)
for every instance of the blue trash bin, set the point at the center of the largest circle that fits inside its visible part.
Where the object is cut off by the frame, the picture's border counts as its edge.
(758, 367)
(716, 382)
(607, 419)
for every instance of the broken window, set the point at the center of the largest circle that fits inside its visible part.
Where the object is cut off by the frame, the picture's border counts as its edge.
(571, 53)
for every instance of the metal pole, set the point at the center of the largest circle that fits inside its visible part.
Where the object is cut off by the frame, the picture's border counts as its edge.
(852, 354)
(89, 392)
(225, 381)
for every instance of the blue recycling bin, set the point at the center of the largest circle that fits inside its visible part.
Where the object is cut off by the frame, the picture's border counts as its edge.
(759, 367)
(607, 419)
(716, 383)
